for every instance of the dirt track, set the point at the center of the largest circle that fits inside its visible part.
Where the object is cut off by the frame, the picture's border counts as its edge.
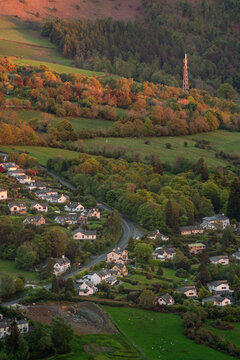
(85, 317)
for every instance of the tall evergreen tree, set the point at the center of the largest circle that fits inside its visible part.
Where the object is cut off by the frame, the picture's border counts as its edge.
(233, 209)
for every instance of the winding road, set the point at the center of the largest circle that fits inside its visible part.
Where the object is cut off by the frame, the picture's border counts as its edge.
(128, 229)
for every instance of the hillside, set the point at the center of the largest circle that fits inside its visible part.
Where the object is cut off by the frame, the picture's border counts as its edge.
(35, 10)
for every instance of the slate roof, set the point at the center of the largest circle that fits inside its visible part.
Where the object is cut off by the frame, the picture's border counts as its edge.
(85, 232)
(183, 289)
(217, 258)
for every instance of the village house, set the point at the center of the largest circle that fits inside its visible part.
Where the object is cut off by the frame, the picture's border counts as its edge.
(61, 265)
(3, 194)
(69, 219)
(36, 185)
(87, 288)
(236, 255)
(217, 221)
(81, 234)
(117, 256)
(16, 173)
(40, 207)
(94, 213)
(10, 166)
(217, 300)
(22, 325)
(189, 291)
(196, 248)
(24, 179)
(74, 207)
(119, 270)
(111, 280)
(96, 277)
(218, 287)
(165, 299)
(17, 208)
(35, 220)
(153, 235)
(44, 193)
(57, 199)
(164, 253)
(191, 230)
(221, 259)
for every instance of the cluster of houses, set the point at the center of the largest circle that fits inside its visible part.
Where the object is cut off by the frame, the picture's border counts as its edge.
(221, 294)
(117, 259)
(76, 213)
(5, 323)
(215, 222)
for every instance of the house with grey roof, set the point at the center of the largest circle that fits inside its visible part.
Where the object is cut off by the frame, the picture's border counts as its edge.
(217, 221)
(221, 259)
(165, 299)
(189, 291)
(35, 220)
(217, 300)
(82, 234)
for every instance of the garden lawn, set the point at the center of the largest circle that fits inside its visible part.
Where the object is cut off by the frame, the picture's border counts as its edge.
(231, 335)
(41, 153)
(219, 140)
(9, 267)
(100, 347)
(160, 336)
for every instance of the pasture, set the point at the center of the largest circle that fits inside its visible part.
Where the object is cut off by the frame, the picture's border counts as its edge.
(77, 123)
(41, 153)
(232, 335)
(160, 336)
(9, 267)
(219, 140)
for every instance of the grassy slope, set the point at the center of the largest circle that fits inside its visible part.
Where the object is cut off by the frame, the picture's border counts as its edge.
(230, 335)
(9, 267)
(77, 123)
(160, 336)
(220, 140)
(99, 347)
(16, 40)
(41, 153)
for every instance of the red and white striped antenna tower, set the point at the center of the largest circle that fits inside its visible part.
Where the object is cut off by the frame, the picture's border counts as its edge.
(185, 73)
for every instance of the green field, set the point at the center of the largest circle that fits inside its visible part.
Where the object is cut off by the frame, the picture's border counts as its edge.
(160, 336)
(77, 123)
(9, 267)
(231, 335)
(100, 347)
(41, 153)
(219, 140)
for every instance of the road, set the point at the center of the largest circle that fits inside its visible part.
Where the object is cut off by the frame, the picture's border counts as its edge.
(128, 229)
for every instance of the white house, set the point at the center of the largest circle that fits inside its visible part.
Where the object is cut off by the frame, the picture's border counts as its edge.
(22, 325)
(24, 179)
(40, 207)
(3, 194)
(16, 173)
(87, 288)
(17, 208)
(165, 299)
(117, 256)
(97, 276)
(57, 199)
(61, 265)
(153, 235)
(10, 166)
(164, 253)
(236, 255)
(81, 234)
(69, 219)
(221, 259)
(189, 291)
(217, 300)
(218, 287)
(214, 222)
(74, 207)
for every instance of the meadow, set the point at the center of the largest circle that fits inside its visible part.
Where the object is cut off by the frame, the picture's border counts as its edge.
(9, 267)
(100, 347)
(28, 47)
(219, 140)
(41, 153)
(232, 335)
(160, 336)
(77, 123)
